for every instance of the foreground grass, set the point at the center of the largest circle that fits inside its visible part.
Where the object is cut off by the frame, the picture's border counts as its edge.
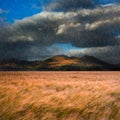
(60, 96)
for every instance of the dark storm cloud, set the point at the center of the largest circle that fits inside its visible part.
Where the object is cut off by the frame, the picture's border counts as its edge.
(68, 5)
(82, 28)
(91, 28)
(18, 41)
(34, 37)
(109, 54)
(27, 51)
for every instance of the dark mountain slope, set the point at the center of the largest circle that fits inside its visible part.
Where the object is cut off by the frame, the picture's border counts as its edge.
(60, 62)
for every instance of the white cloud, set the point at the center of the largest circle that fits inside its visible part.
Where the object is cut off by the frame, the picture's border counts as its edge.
(3, 11)
(64, 27)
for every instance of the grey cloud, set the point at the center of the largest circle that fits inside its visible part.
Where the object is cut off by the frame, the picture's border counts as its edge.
(117, 0)
(40, 28)
(59, 27)
(36, 35)
(68, 5)
(25, 40)
(27, 51)
(3, 11)
(109, 54)
(99, 28)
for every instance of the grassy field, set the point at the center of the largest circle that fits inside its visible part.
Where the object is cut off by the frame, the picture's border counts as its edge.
(59, 95)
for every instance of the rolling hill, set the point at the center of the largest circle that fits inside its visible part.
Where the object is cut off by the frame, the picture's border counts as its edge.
(60, 63)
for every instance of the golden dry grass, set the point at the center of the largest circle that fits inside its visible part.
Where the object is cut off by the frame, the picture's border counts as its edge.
(59, 95)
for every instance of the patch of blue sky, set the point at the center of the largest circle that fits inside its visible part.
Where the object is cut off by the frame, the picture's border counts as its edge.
(66, 47)
(104, 2)
(18, 9)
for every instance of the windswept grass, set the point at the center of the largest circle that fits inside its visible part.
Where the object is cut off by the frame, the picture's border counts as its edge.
(60, 96)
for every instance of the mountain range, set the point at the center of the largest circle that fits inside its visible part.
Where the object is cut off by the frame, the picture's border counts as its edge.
(59, 63)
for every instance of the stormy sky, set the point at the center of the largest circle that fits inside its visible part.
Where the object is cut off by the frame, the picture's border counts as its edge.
(38, 29)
